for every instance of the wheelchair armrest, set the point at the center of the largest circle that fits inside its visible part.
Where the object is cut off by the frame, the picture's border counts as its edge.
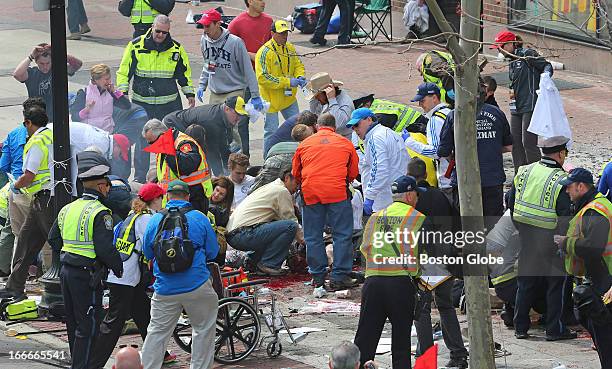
(230, 273)
(247, 284)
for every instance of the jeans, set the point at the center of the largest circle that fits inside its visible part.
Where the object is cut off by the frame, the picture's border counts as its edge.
(339, 216)
(268, 242)
(524, 143)
(271, 122)
(76, 15)
(347, 9)
(451, 331)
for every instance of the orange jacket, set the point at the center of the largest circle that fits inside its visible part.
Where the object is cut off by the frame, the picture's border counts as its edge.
(324, 164)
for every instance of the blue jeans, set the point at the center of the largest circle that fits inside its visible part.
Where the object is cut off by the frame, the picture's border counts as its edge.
(268, 243)
(271, 122)
(76, 15)
(339, 216)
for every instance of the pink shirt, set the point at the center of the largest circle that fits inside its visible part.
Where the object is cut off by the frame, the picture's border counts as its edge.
(101, 114)
(254, 31)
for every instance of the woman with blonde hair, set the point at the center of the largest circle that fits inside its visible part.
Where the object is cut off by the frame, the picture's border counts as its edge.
(94, 104)
(128, 294)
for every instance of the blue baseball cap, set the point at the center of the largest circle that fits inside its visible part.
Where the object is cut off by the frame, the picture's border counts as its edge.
(578, 175)
(426, 89)
(406, 184)
(358, 115)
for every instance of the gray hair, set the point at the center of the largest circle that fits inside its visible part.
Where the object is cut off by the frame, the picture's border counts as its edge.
(161, 19)
(344, 356)
(399, 196)
(156, 126)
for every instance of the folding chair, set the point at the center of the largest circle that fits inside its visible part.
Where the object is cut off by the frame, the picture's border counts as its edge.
(376, 11)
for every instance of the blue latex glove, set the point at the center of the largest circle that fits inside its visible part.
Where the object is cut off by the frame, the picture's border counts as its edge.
(257, 103)
(294, 82)
(451, 94)
(14, 190)
(367, 207)
(302, 81)
(405, 134)
(200, 93)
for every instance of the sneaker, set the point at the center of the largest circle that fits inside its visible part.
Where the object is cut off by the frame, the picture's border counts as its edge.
(460, 363)
(169, 358)
(344, 284)
(318, 41)
(567, 335)
(85, 28)
(74, 36)
(521, 335)
(270, 271)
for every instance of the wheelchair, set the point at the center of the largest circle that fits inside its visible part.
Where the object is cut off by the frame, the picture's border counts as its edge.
(242, 307)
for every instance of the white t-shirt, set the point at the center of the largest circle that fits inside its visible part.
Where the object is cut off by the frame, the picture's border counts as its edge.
(241, 190)
(131, 271)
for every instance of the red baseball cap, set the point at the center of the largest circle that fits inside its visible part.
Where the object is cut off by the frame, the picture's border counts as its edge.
(150, 191)
(503, 37)
(123, 143)
(209, 16)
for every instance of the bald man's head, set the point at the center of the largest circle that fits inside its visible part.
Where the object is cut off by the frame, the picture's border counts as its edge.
(127, 358)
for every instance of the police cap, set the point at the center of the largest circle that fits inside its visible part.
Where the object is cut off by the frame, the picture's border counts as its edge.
(92, 165)
(550, 145)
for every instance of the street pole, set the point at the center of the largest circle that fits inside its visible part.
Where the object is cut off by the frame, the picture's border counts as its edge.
(52, 293)
(468, 176)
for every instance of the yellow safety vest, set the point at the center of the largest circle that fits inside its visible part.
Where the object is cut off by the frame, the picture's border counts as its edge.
(43, 139)
(434, 79)
(126, 240)
(537, 189)
(405, 114)
(201, 176)
(382, 259)
(142, 12)
(4, 194)
(573, 263)
(76, 224)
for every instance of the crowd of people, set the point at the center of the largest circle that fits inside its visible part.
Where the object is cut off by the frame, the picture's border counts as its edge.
(348, 169)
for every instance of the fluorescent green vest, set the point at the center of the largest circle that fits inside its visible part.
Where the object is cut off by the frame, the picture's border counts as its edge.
(405, 114)
(43, 140)
(434, 79)
(537, 189)
(573, 263)
(76, 224)
(381, 257)
(142, 12)
(126, 240)
(4, 194)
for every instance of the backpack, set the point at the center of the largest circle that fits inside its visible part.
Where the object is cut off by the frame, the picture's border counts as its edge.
(305, 17)
(162, 6)
(172, 247)
(125, 7)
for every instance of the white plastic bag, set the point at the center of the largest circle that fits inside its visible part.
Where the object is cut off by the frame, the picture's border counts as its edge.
(549, 119)
(254, 114)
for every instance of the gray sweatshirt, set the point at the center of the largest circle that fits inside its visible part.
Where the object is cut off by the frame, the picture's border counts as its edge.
(341, 108)
(233, 69)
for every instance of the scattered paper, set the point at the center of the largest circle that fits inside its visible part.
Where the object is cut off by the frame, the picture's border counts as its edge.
(330, 306)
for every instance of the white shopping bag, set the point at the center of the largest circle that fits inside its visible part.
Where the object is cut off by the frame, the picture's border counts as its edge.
(549, 119)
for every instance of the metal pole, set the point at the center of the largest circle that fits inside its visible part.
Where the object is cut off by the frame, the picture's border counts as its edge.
(61, 140)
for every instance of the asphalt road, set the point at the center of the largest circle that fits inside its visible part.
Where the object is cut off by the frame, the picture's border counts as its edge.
(11, 349)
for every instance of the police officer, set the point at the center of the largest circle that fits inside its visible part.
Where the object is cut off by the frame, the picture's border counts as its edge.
(588, 252)
(83, 231)
(539, 207)
(389, 291)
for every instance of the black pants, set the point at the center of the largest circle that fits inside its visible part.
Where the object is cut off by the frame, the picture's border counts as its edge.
(347, 8)
(125, 302)
(492, 204)
(243, 127)
(602, 338)
(382, 298)
(140, 29)
(82, 304)
(529, 291)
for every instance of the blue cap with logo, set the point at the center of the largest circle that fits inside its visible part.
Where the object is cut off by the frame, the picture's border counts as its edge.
(406, 184)
(426, 89)
(578, 175)
(358, 115)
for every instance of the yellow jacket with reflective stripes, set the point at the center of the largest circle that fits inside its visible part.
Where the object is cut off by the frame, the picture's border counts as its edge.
(43, 140)
(574, 265)
(382, 259)
(142, 12)
(537, 189)
(76, 224)
(405, 114)
(155, 69)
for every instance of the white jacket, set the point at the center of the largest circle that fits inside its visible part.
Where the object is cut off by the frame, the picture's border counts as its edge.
(386, 159)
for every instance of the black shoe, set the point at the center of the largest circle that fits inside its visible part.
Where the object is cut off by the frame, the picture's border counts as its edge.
(344, 284)
(460, 363)
(318, 41)
(6, 293)
(521, 335)
(507, 317)
(262, 269)
(316, 283)
(567, 335)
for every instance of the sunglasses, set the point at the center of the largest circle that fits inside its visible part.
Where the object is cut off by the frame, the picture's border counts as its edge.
(162, 32)
(124, 346)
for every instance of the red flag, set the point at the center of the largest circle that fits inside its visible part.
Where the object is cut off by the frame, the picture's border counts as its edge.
(163, 145)
(429, 360)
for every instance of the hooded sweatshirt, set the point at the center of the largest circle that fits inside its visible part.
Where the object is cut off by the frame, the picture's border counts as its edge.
(233, 70)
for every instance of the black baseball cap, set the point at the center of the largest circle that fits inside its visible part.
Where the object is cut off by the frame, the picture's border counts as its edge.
(406, 184)
(578, 175)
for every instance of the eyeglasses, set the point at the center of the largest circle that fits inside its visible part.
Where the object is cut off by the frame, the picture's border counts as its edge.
(162, 32)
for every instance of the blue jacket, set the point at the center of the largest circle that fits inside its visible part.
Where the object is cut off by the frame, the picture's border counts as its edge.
(605, 182)
(206, 248)
(12, 151)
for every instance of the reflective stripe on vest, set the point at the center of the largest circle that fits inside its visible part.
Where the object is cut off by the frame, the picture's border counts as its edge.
(537, 189)
(76, 224)
(126, 242)
(142, 13)
(401, 218)
(200, 176)
(405, 114)
(504, 278)
(42, 140)
(574, 265)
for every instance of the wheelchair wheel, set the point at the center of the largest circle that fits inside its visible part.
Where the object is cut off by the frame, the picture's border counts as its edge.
(182, 334)
(238, 330)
